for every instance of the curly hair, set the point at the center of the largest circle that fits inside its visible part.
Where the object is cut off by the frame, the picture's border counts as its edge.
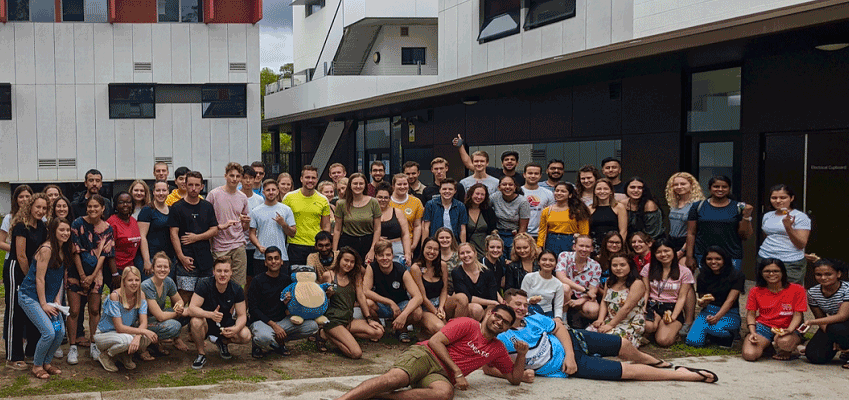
(695, 193)
(24, 214)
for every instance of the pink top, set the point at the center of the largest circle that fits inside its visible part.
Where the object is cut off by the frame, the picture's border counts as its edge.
(228, 207)
(666, 291)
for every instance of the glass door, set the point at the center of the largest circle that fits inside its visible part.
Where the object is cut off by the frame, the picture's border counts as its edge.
(717, 155)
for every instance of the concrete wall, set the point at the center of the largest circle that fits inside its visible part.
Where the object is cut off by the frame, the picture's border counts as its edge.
(309, 33)
(60, 99)
(357, 10)
(389, 43)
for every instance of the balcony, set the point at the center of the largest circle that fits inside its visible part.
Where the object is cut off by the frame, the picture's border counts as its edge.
(358, 10)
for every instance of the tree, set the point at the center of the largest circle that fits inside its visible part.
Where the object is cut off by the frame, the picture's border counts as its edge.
(287, 70)
(266, 77)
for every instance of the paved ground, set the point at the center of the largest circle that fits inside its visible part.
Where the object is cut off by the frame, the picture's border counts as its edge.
(766, 379)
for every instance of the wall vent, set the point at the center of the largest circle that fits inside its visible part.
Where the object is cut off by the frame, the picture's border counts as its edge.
(238, 67)
(166, 160)
(46, 163)
(142, 67)
(66, 163)
(405, 31)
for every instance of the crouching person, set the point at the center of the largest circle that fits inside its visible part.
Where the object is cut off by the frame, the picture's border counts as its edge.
(166, 323)
(391, 291)
(270, 325)
(218, 309)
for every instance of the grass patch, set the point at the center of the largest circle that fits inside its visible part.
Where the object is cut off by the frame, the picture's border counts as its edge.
(283, 375)
(192, 377)
(703, 351)
(21, 387)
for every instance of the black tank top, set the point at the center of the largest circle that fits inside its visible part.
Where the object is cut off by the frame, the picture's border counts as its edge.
(432, 289)
(391, 229)
(390, 286)
(602, 221)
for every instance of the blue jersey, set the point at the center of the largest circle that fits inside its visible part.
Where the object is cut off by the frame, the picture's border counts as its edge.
(545, 354)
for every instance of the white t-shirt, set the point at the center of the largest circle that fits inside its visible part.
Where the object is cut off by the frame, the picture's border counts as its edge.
(538, 199)
(777, 244)
(490, 182)
(7, 227)
(551, 291)
(253, 202)
(268, 231)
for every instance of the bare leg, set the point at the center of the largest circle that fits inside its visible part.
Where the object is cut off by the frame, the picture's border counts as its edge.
(754, 351)
(362, 330)
(457, 306)
(345, 341)
(640, 372)
(440, 390)
(199, 329)
(73, 316)
(690, 307)
(786, 346)
(630, 353)
(667, 334)
(476, 311)
(395, 378)
(431, 323)
(93, 314)
(590, 310)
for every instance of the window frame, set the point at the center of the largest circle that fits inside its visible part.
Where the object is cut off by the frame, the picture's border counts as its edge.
(180, 14)
(514, 12)
(204, 102)
(29, 9)
(308, 11)
(570, 11)
(112, 100)
(688, 96)
(6, 88)
(413, 49)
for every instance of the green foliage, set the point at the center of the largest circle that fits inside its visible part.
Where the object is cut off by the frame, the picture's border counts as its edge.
(58, 385)
(285, 142)
(193, 377)
(704, 351)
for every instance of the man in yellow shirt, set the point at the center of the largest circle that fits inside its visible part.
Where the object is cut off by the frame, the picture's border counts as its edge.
(312, 214)
(180, 192)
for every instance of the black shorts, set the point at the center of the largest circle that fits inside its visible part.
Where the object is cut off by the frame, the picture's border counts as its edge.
(660, 308)
(298, 253)
(212, 328)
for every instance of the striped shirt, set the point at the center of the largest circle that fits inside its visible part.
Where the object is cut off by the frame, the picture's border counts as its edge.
(829, 305)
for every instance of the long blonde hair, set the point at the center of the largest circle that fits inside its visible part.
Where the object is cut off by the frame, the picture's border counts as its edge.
(695, 193)
(475, 260)
(123, 293)
(533, 243)
(147, 196)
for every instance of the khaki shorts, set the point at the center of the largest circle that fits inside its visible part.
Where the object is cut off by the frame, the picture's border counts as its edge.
(239, 264)
(421, 366)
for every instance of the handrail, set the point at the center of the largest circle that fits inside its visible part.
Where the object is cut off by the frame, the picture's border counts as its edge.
(329, 30)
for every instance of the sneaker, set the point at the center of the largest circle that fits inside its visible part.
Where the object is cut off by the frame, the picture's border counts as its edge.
(73, 355)
(685, 330)
(59, 353)
(127, 360)
(223, 350)
(281, 349)
(199, 362)
(257, 352)
(95, 352)
(107, 362)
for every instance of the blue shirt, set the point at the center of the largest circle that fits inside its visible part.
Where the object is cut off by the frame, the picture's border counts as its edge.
(545, 354)
(112, 309)
(433, 213)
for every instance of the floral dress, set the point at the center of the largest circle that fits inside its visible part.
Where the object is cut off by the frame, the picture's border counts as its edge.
(634, 324)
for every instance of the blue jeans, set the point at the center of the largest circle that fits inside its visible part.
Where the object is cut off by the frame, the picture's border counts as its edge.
(559, 242)
(52, 329)
(724, 328)
(507, 238)
(264, 335)
(168, 329)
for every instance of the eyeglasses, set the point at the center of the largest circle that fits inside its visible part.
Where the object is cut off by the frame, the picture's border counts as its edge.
(772, 271)
(498, 317)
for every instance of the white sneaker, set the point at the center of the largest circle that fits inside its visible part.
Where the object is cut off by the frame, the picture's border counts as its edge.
(95, 352)
(59, 353)
(72, 355)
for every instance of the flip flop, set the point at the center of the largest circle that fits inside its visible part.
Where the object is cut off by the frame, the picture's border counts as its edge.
(146, 357)
(704, 377)
(659, 363)
(846, 365)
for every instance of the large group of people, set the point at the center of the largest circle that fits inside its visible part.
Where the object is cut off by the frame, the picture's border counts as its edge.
(494, 269)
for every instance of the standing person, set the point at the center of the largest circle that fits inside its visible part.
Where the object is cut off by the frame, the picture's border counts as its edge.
(378, 171)
(259, 168)
(682, 190)
(94, 245)
(434, 368)
(285, 184)
(545, 291)
(829, 302)
(254, 200)
(28, 232)
(140, 193)
(509, 162)
(554, 172)
(41, 289)
(231, 205)
(160, 171)
(270, 326)
(392, 292)
(581, 277)
(20, 199)
(358, 219)
(346, 279)
(165, 322)
(126, 233)
(474, 282)
(61, 208)
(623, 306)
(445, 211)
(512, 210)
(561, 221)
(524, 260)
(218, 309)
(482, 219)
(643, 213)
(324, 257)
(192, 224)
(327, 189)
(431, 277)
(718, 221)
(123, 329)
(153, 227)
(272, 223)
(180, 192)
(411, 170)
(588, 175)
(93, 184)
(394, 228)
(337, 171)
(786, 232)
(480, 159)
(611, 168)
(538, 198)
(667, 284)
(775, 308)
(411, 207)
(719, 287)
(341, 189)
(312, 215)
(606, 213)
(439, 169)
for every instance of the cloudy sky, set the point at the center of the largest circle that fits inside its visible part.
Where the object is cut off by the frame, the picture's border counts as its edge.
(275, 34)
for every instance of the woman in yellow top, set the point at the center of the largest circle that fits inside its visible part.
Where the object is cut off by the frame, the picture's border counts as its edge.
(560, 222)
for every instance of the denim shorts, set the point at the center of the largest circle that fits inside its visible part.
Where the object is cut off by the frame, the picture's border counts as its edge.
(559, 242)
(384, 311)
(766, 331)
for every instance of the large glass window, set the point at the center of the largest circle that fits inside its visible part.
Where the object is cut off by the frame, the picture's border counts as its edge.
(191, 10)
(413, 55)
(5, 102)
(73, 10)
(500, 19)
(132, 101)
(224, 101)
(18, 10)
(715, 101)
(715, 158)
(169, 10)
(31, 10)
(542, 12)
(95, 11)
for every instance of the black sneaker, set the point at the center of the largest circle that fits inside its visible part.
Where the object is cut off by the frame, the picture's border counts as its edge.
(223, 350)
(256, 352)
(199, 362)
(281, 349)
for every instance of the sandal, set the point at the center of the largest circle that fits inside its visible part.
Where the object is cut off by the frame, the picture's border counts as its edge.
(320, 342)
(17, 365)
(41, 373)
(404, 337)
(52, 370)
(659, 365)
(700, 372)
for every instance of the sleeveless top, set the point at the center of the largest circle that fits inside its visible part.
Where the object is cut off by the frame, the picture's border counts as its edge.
(432, 289)
(390, 285)
(53, 279)
(602, 221)
(391, 229)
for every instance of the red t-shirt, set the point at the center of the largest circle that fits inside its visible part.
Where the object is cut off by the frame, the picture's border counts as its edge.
(127, 240)
(775, 310)
(470, 350)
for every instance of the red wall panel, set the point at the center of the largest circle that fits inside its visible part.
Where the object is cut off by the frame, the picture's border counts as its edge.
(232, 11)
(3, 16)
(132, 11)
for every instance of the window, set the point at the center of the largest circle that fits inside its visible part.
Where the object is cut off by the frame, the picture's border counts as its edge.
(84, 11)
(131, 101)
(95, 11)
(72, 10)
(413, 55)
(169, 10)
(543, 12)
(224, 101)
(190, 10)
(312, 6)
(178, 94)
(31, 10)
(500, 19)
(5, 101)
(715, 101)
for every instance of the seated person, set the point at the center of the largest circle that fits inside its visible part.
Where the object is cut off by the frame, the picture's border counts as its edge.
(270, 326)
(392, 292)
(719, 286)
(322, 259)
(434, 368)
(215, 301)
(474, 285)
(623, 305)
(558, 351)
(166, 322)
(580, 275)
